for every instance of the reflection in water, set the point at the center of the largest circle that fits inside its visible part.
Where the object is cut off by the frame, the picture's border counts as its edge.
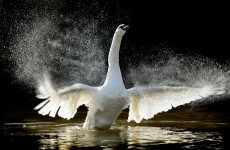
(173, 130)
(70, 135)
(66, 136)
(155, 136)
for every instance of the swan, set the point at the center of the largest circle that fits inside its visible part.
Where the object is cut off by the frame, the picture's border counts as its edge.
(107, 101)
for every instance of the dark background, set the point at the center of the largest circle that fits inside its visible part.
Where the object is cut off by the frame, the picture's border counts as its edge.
(200, 28)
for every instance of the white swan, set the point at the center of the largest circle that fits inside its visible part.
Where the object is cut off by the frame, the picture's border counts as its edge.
(106, 102)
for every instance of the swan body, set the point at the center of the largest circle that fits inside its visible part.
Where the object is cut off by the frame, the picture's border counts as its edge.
(106, 102)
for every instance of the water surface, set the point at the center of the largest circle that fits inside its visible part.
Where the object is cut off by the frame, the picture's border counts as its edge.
(174, 130)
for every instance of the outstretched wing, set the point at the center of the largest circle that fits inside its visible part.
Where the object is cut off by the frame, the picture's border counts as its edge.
(148, 101)
(65, 101)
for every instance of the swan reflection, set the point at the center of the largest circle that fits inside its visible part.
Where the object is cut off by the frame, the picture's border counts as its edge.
(66, 136)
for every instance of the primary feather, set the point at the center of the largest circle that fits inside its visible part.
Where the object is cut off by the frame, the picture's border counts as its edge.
(65, 101)
(149, 101)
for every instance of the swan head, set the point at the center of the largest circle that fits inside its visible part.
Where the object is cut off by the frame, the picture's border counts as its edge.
(121, 29)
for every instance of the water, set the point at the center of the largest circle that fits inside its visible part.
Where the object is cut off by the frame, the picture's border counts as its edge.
(189, 131)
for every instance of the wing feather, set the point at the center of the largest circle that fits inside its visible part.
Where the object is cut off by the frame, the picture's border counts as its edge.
(149, 101)
(64, 101)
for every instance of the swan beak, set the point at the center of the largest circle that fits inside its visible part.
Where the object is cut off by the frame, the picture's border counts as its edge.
(126, 27)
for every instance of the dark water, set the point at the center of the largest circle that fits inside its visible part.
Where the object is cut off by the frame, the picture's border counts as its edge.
(203, 129)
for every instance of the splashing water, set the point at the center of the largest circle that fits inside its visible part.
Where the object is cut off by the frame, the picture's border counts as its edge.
(168, 68)
(75, 55)
(73, 49)
(70, 54)
(67, 44)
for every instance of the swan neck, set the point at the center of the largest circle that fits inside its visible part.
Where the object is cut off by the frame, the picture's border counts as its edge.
(114, 50)
(114, 72)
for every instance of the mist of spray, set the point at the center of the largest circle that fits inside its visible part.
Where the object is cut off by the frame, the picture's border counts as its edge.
(169, 68)
(74, 49)
(69, 54)
(69, 44)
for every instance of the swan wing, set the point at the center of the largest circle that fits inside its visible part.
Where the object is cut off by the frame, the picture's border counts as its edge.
(64, 101)
(149, 101)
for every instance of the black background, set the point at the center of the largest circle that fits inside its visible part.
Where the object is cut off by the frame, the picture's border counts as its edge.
(202, 28)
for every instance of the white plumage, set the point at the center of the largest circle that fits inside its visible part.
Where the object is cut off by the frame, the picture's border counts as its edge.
(106, 102)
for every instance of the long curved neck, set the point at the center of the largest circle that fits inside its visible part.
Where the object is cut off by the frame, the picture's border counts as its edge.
(114, 50)
(114, 72)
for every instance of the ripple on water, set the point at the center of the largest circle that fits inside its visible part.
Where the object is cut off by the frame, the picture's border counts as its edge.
(70, 135)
